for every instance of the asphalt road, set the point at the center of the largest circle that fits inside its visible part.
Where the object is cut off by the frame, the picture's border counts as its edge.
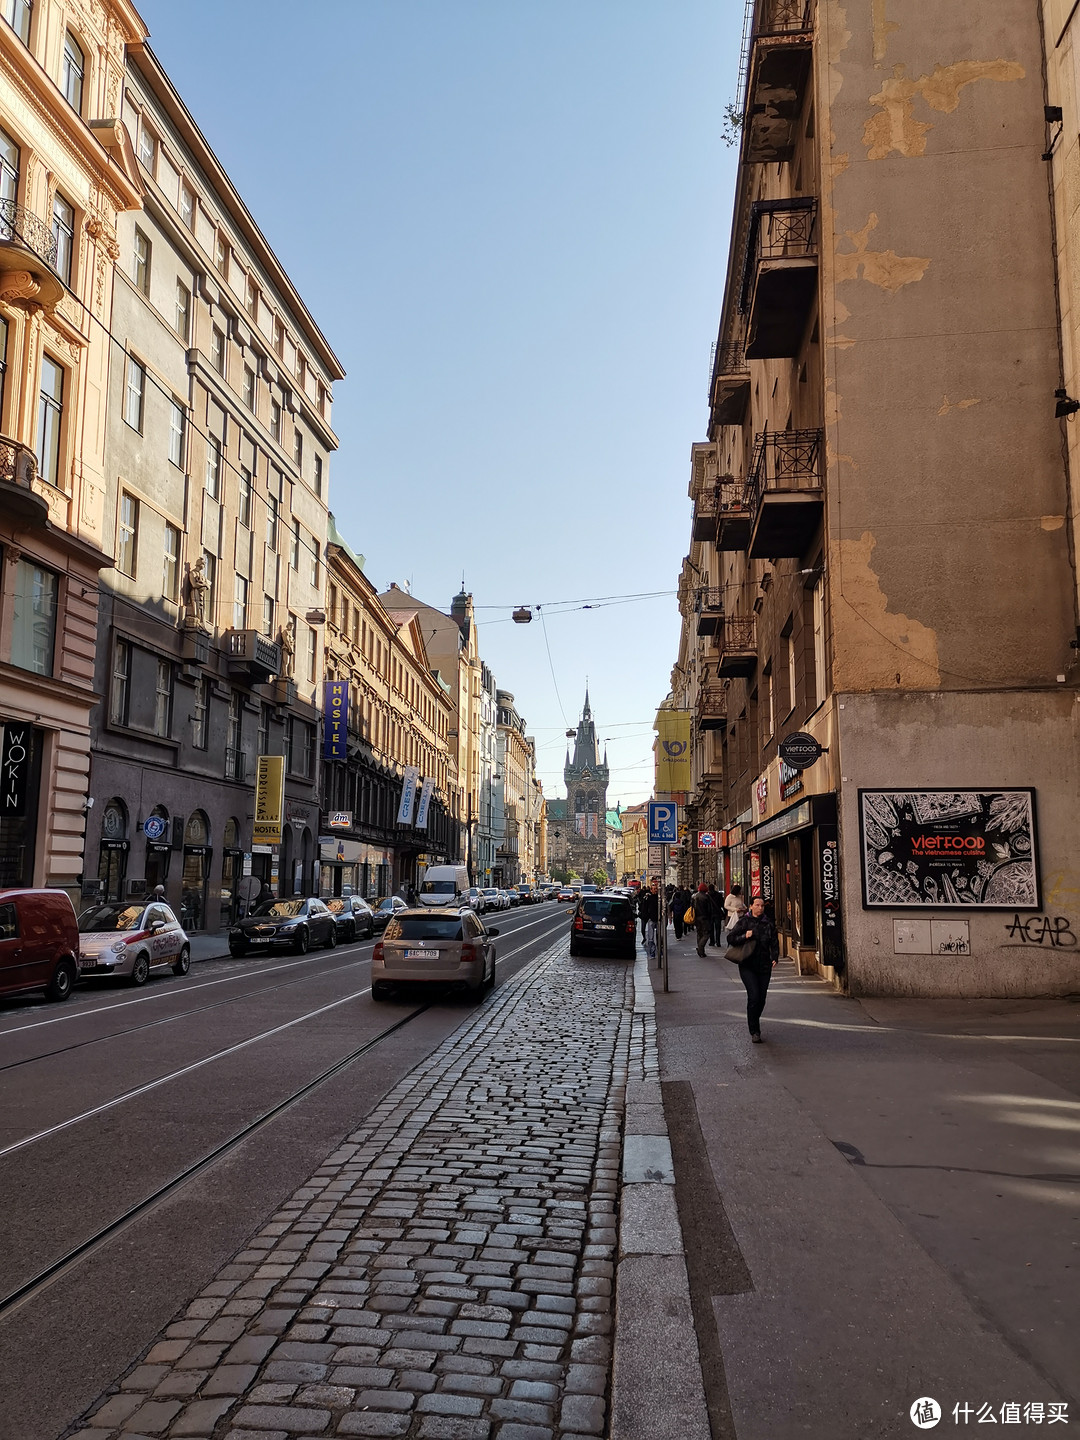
(113, 1095)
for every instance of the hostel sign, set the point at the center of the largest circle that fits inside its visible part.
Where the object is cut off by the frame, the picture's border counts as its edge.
(269, 800)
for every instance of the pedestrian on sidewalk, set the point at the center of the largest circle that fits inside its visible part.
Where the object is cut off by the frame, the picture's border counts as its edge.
(755, 971)
(679, 901)
(703, 917)
(717, 927)
(649, 910)
(734, 906)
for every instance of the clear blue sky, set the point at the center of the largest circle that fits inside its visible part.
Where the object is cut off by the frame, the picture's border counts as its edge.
(510, 218)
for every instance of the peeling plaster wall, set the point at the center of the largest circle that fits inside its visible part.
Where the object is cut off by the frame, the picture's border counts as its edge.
(948, 557)
(1018, 740)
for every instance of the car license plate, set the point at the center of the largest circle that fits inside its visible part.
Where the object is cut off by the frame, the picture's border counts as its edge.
(421, 954)
(605, 927)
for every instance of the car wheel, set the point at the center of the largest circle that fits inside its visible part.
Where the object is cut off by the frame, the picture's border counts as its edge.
(331, 939)
(379, 991)
(183, 962)
(237, 948)
(140, 971)
(301, 943)
(62, 982)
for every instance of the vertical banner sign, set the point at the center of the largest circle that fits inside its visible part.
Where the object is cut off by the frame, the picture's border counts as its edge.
(408, 795)
(672, 751)
(269, 800)
(425, 801)
(832, 942)
(335, 719)
(14, 769)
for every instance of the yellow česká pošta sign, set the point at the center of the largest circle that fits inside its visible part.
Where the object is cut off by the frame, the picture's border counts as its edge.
(672, 751)
(269, 800)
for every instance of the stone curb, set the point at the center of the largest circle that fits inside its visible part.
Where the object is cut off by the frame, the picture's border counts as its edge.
(657, 1388)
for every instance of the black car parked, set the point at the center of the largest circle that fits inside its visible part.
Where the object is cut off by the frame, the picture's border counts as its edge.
(355, 918)
(292, 924)
(386, 909)
(603, 924)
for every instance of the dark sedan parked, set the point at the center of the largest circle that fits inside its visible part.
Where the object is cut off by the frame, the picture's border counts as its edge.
(603, 924)
(293, 924)
(355, 918)
(385, 909)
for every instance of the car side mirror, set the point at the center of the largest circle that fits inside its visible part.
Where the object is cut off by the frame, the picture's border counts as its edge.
(157, 925)
(493, 932)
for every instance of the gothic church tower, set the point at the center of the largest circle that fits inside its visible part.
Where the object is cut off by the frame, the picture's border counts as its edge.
(586, 780)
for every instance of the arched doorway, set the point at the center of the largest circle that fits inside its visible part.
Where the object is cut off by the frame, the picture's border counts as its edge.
(193, 886)
(232, 863)
(112, 863)
(158, 849)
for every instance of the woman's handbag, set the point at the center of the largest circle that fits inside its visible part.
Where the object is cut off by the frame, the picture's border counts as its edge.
(738, 953)
(688, 918)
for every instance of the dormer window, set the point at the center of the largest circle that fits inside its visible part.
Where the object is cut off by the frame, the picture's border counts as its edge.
(74, 72)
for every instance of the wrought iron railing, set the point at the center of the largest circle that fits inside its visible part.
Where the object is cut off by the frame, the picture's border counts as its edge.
(739, 634)
(784, 460)
(709, 598)
(25, 228)
(18, 463)
(731, 360)
(778, 230)
(781, 17)
(712, 702)
(706, 502)
(731, 495)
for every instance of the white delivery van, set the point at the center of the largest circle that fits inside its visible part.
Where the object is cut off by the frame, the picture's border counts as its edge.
(445, 885)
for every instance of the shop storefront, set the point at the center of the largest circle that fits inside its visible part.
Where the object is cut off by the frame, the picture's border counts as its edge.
(195, 880)
(113, 856)
(352, 867)
(232, 873)
(792, 863)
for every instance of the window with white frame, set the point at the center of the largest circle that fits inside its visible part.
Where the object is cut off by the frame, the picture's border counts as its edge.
(63, 229)
(140, 262)
(240, 603)
(818, 604)
(213, 467)
(73, 72)
(298, 447)
(217, 349)
(315, 565)
(294, 545)
(147, 147)
(271, 522)
(177, 432)
(17, 13)
(243, 510)
(163, 699)
(789, 657)
(182, 312)
(187, 205)
(275, 420)
(170, 570)
(127, 535)
(312, 653)
(33, 620)
(318, 475)
(134, 390)
(268, 616)
(210, 569)
(50, 420)
(200, 714)
(248, 391)
(120, 689)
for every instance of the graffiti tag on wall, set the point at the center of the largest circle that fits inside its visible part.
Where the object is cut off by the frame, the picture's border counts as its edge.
(1054, 931)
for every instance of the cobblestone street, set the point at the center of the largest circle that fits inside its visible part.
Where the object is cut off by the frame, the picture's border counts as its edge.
(447, 1273)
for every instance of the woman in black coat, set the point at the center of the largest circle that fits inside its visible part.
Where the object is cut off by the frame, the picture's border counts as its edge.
(755, 971)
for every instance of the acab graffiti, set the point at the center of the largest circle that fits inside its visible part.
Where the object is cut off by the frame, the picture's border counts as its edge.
(1053, 930)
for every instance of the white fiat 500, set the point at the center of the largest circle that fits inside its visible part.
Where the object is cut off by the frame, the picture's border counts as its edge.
(130, 940)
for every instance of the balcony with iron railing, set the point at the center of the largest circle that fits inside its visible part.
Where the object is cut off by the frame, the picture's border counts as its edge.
(18, 471)
(712, 707)
(784, 492)
(27, 257)
(779, 279)
(736, 641)
(706, 502)
(251, 656)
(779, 74)
(733, 516)
(709, 610)
(730, 385)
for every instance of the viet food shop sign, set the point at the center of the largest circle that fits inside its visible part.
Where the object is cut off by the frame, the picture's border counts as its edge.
(949, 848)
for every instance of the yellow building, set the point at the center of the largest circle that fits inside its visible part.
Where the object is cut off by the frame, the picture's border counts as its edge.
(67, 169)
(632, 845)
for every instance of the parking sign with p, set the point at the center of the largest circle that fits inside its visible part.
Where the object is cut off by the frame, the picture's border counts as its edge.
(663, 822)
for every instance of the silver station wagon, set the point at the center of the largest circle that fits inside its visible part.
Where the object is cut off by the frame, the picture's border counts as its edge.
(449, 948)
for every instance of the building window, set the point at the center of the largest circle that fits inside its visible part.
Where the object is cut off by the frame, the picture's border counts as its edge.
(789, 655)
(251, 299)
(221, 253)
(322, 398)
(307, 750)
(187, 205)
(271, 522)
(9, 167)
(817, 596)
(177, 431)
(279, 336)
(50, 420)
(163, 699)
(244, 498)
(63, 229)
(170, 574)
(234, 759)
(3, 361)
(17, 14)
(213, 466)
(147, 148)
(199, 715)
(217, 349)
(134, 386)
(264, 730)
(127, 540)
(318, 474)
(315, 566)
(74, 72)
(33, 629)
(140, 263)
(268, 616)
(240, 603)
(121, 683)
(312, 653)
(248, 391)
(182, 316)
(288, 743)
(770, 701)
(298, 447)
(294, 546)
(275, 420)
(210, 567)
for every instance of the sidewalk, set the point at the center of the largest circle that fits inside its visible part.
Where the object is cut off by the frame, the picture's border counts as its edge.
(878, 1204)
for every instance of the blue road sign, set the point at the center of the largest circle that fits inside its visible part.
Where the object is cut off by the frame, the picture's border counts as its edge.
(663, 823)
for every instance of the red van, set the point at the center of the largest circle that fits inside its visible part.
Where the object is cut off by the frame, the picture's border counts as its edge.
(39, 943)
